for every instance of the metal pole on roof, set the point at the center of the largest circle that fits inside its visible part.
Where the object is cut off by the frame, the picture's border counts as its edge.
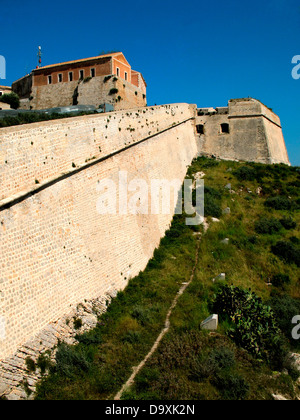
(39, 54)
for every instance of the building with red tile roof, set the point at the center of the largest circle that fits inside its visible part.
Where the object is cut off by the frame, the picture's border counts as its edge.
(107, 78)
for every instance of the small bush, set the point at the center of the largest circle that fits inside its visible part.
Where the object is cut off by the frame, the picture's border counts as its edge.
(231, 386)
(288, 223)
(285, 308)
(279, 203)
(44, 362)
(71, 359)
(280, 280)
(106, 78)
(287, 251)
(131, 337)
(90, 338)
(12, 99)
(268, 226)
(222, 358)
(113, 91)
(30, 364)
(212, 202)
(219, 359)
(141, 314)
(255, 327)
(77, 323)
(206, 162)
(246, 174)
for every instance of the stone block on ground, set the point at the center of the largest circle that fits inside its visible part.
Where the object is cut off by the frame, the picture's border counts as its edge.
(210, 323)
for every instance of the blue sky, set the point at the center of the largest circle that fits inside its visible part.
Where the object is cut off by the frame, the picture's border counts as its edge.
(201, 52)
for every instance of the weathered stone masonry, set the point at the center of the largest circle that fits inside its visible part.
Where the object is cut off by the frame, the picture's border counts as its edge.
(55, 249)
(245, 130)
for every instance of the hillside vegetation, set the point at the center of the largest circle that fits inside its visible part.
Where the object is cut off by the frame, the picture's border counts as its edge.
(256, 243)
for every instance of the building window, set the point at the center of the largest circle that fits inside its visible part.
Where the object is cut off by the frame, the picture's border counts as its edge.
(70, 76)
(81, 74)
(225, 128)
(200, 128)
(126, 75)
(1, 93)
(93, 73)
(49, 80)
(60, 78)
(118, 71)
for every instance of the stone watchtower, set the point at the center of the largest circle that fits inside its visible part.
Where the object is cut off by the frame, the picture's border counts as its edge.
(245, 130)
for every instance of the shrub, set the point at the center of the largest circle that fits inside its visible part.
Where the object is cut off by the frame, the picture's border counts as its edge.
(71, 359)
(90, 338)
(131, 337)
(279, 280)
(213, 209)
(106, 78)
(207, 162)
(288, 223)
(255, 327)
(30, 117)
(268, 225)
(279, 203)
(141, 314)
(44, 362)
(12, 99)
(246, 174)
(212, 202)
(30, 364)
(222, 358)
(231, 386)
(77, 323)
(113, 91)
(219, 359)
(287, 251)
(285, 308)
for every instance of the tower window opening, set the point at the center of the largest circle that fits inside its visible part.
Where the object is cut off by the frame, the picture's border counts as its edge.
(225, 128)
(200, 129)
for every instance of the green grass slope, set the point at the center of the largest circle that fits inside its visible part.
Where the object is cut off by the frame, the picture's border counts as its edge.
(248, 356)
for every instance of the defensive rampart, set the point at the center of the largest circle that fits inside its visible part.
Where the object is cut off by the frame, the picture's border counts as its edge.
(56, 249)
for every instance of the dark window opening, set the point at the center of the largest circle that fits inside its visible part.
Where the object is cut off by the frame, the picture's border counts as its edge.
(200, 128)
(60, 78)
(225, 128)
(81, 74)
(71, 76)
(126, 75)
(93, 74)
(118, 71)
(49, 80)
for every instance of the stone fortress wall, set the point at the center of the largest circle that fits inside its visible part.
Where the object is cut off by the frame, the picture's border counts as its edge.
(56, 250)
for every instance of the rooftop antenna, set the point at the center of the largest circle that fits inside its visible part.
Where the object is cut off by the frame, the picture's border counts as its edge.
(39, 55)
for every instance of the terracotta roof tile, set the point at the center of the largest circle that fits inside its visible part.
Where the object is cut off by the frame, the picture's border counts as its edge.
(78, 61)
